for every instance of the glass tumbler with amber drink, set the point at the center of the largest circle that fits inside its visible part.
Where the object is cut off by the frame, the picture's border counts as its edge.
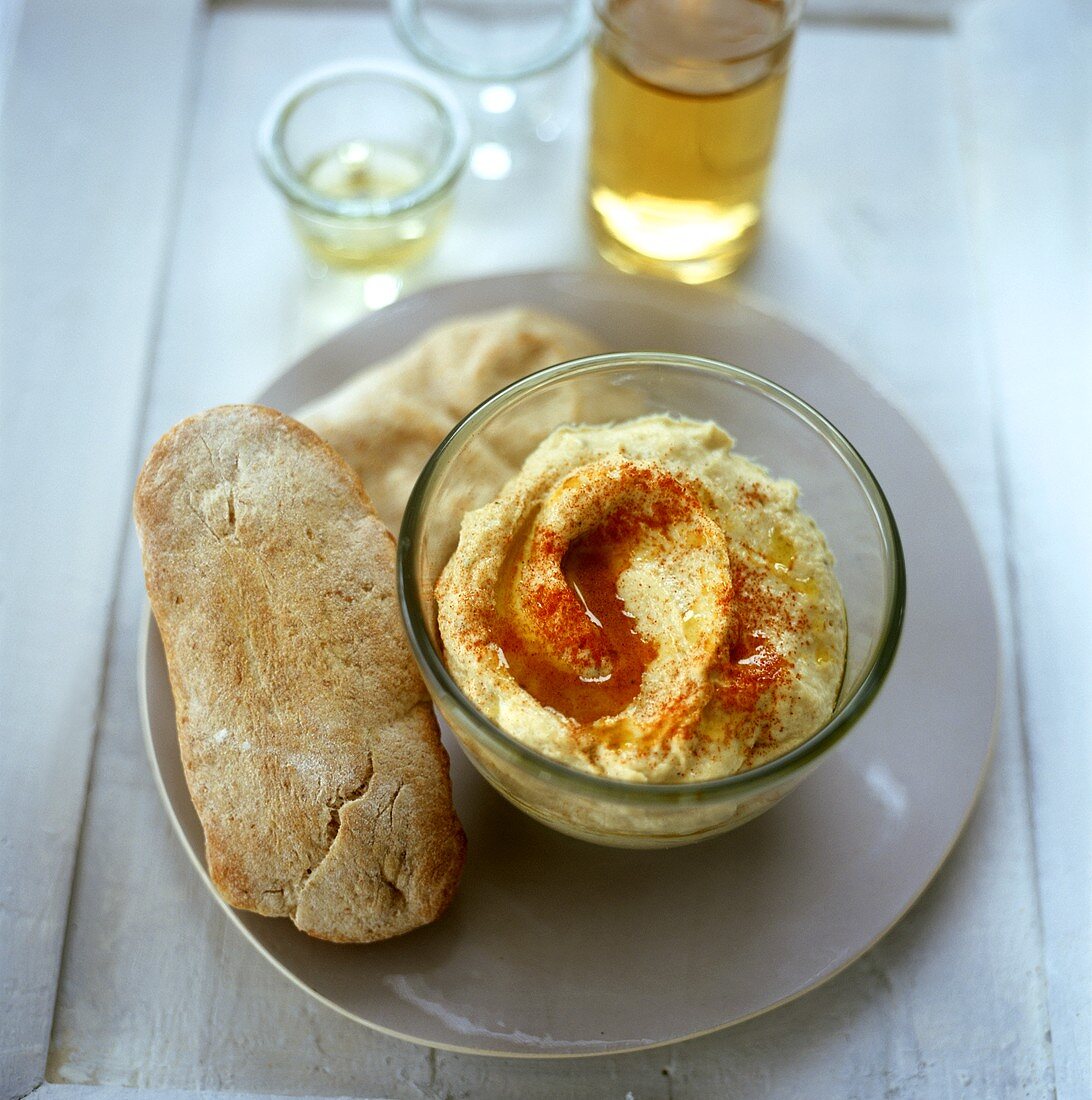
(685, 103)
(367, 155)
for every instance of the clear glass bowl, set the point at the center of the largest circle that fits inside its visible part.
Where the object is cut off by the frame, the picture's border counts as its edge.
(366, 155)
(771, 426)
(492, 40)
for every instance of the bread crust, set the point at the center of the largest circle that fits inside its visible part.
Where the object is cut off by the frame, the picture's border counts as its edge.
(308, 738)
(387, 420)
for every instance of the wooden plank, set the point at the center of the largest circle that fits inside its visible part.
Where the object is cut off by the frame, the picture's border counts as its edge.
(159, 991)
(1029, 152)
(155, 981)
(10, 14)
(93, 116)
(119, 1092)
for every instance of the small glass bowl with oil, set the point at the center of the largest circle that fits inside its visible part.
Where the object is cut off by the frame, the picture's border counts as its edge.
(367, 155)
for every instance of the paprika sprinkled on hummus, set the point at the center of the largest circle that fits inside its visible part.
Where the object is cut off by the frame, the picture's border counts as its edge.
(643, 603)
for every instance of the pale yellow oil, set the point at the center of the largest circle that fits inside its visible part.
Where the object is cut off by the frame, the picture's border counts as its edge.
(360, 170)
(679, 158)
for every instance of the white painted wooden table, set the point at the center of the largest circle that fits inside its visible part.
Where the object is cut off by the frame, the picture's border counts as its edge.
(930, 214)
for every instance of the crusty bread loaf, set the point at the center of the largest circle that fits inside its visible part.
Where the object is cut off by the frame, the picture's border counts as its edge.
(387, 420)
(309, 743)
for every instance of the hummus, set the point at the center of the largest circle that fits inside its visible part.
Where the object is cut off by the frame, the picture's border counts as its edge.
(640, 602)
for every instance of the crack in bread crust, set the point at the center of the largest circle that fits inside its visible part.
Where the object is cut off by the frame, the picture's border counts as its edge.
(333, 826)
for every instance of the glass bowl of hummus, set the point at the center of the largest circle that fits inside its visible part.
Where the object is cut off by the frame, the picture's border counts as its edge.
(649, 593)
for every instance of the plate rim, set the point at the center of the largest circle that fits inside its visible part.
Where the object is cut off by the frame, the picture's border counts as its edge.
(759, 304)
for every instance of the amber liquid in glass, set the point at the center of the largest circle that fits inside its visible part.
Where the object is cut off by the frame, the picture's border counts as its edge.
(362, 170)
(680, 149)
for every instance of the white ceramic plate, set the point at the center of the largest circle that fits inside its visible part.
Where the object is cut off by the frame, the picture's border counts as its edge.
(554, 947)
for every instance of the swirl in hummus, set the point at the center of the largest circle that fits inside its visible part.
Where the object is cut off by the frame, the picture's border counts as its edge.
(643, 603)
